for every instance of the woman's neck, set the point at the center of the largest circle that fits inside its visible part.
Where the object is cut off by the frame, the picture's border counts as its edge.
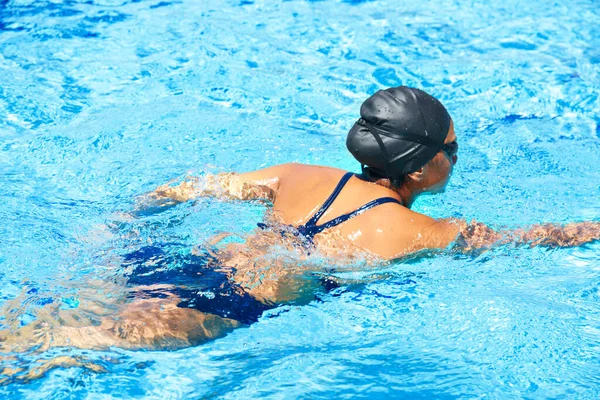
(408, 194)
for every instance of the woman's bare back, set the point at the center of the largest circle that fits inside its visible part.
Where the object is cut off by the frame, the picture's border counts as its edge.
(387, 231)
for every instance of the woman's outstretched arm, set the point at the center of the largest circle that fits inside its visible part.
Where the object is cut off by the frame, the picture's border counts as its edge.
(262, 184)
(474, 235)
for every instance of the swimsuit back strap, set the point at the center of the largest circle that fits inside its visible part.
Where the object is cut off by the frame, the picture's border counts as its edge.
(315, 218)
(311, 230)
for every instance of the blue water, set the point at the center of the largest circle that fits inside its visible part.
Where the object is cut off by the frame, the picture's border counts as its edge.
(101, 101)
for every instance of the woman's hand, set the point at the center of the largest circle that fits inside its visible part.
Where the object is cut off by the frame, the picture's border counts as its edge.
(188, 190)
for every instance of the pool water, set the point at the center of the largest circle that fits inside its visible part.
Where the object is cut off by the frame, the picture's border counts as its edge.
(101, 101)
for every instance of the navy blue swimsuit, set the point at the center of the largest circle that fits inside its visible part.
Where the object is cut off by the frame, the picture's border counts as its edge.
(310, 228)
(195, 279)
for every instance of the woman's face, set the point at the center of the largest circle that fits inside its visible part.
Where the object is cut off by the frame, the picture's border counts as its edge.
(440, 167)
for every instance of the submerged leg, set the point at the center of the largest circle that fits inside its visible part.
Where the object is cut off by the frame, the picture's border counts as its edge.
(142, 324)
(40, 367)
(151, 324)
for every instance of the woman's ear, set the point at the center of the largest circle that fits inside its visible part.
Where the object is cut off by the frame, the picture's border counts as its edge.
(419, 175)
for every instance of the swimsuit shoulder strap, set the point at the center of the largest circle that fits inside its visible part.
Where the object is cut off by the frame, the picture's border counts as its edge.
(312, 230)
(315, 218)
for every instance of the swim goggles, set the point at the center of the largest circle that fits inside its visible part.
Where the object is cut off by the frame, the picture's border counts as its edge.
(450, 148)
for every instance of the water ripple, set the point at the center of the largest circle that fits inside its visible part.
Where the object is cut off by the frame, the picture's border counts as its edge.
(103, 100)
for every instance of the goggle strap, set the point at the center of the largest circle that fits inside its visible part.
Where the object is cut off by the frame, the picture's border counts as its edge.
(409, 137)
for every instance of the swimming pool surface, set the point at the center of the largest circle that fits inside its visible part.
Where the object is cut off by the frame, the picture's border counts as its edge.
(101, 101)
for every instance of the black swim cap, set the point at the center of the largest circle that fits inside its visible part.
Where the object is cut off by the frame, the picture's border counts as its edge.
(400, 130)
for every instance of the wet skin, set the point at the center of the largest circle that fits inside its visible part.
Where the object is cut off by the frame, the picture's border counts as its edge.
(295, 191)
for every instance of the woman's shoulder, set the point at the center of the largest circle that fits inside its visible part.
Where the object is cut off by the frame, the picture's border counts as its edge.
(399, 231)
(309, 175)
(308, 168)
